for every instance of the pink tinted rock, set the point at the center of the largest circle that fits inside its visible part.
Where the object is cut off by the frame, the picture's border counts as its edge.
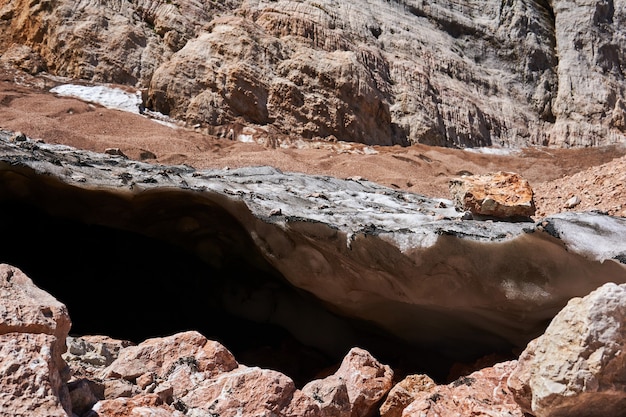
(164, 355)
(31, 383)
(331, 396)
(482, 393)
(404, 393)
(33, 328)
(25, 308)
(366, 381)
(243, 391)
(139, 406)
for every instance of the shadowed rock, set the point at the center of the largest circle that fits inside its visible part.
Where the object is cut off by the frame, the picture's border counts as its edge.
(397, 261)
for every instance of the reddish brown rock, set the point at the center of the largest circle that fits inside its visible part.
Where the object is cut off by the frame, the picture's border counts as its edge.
(33, 328)
(404, 393)
(28, 309)
(366, 382)
(500, 194)
(140, 405)
(331, 396)
(482, 393)
(166, 356)
(244, 391)
(31, 382)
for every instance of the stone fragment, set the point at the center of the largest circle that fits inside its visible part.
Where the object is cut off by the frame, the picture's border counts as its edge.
(366, 381)
(33, 328)
(164, 354)
(88, 355)
(578, 366)
(114, 151)
(141, 405)
(31, 380)
(82, 396)
(243, 391)
(28, 309)
(500, 194)
(404, 393)
(572, 202)
(331, 396)
(482, 393)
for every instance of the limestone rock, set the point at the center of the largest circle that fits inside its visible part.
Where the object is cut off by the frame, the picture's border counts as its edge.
(404, 393)
(482, 393)
(33, 328)
(578, 366)
(500, 194)
(382, 72)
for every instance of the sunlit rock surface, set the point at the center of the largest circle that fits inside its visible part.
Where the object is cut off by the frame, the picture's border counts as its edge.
(442, 72)
(399, 261)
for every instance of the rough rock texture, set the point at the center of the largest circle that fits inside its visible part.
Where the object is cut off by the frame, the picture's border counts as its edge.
(33, 327)
(366, 382)
(88, 355)
(404, 393)
(166, 358)
(385, 72)
(500, 194)
(482, 393)
(382, 255)
(578, 366)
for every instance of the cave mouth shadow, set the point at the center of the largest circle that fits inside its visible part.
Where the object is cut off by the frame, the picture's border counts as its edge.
(127, 285)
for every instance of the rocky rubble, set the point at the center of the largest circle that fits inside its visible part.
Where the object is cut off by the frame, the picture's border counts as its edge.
(575, 368)
(377, 72)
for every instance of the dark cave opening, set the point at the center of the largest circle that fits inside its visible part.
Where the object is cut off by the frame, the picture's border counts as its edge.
(129, 268)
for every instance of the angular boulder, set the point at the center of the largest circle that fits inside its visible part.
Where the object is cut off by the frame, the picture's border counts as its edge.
(245, 391)
(482, 393)
(499, 194)
(404, 393)
(578, 366)
(181, 358)
(366, 382)
(33, 328)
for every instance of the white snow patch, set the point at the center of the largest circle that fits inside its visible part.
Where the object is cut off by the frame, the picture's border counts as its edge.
(112, 98)
(245, 138)
(593, 235)
(493, 150)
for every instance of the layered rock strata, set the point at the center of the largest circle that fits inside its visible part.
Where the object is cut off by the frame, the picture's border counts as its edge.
(378, 72)
(362, 251)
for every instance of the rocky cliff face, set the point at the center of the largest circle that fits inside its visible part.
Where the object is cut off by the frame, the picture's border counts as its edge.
(378, 72)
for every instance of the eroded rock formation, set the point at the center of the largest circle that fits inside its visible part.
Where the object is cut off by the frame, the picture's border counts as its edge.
(306, 250)
(377, 72)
